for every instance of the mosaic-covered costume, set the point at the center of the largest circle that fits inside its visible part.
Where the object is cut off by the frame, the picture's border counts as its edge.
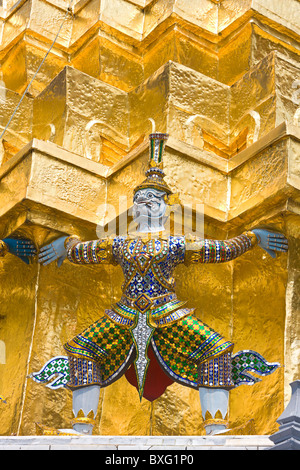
(150, 321)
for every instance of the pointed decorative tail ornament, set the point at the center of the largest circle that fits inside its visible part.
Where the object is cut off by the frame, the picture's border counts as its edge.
(55, 371)
(247, 361)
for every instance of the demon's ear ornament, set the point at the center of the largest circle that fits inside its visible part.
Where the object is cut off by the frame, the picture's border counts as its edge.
(172, 199)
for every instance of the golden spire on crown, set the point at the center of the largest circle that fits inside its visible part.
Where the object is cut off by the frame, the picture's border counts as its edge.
(155, 174)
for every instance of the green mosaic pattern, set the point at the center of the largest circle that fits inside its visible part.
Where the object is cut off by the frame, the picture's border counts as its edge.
(181, 347)
(103, 341)
(250, 361)
(55, 371)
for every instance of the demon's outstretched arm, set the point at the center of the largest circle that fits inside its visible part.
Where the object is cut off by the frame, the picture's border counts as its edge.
(216, 251)
(78, 252)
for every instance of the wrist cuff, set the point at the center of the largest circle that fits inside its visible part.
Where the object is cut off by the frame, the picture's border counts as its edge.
(71, 240)
(252, 236)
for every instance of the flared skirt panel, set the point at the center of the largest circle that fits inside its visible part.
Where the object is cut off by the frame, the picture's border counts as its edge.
(188, 352)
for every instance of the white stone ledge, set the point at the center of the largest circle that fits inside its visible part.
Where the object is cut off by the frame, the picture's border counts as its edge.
(135, 443)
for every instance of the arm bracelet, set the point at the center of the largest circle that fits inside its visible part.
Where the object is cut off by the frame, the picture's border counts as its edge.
(252, 236)
(71, 240)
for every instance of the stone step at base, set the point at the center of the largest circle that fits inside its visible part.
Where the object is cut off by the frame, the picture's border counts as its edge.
(154, 444)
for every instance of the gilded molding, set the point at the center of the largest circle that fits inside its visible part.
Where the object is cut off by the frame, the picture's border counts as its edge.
(38, 158)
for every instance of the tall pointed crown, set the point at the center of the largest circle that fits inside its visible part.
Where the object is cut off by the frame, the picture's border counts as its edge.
(155, 174)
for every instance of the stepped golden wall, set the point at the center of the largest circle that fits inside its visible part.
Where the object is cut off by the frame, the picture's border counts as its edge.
(222, 78)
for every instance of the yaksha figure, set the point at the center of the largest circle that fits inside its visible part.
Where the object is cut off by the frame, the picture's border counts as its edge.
(149, 334)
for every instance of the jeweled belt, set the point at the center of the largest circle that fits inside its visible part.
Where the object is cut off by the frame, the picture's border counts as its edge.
(162, 315)
(144, 301)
